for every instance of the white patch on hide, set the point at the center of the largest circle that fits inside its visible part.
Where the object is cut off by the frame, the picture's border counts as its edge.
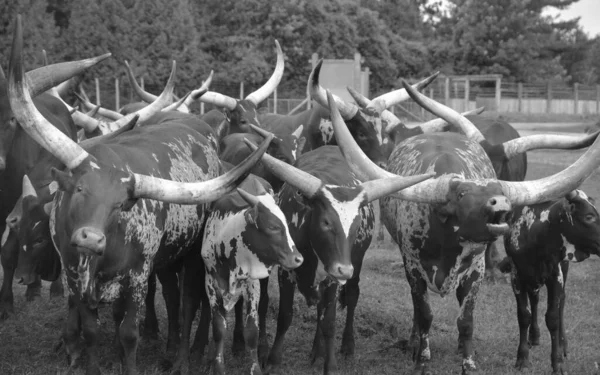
(326, 129)
(527, 218)
(544, 216)
(347, 211)
(5, 235)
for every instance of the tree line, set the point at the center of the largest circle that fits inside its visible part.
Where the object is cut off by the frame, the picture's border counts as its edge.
(397, 38)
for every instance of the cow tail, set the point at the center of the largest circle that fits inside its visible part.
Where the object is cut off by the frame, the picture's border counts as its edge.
(342, 297)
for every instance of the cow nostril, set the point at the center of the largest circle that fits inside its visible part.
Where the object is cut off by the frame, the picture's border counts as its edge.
(493, 201)
(298, 260)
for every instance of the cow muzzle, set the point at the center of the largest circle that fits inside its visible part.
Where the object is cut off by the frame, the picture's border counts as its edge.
(293, 261)
(341, 272)
(500, 208)
(89, 241)
(13, 222)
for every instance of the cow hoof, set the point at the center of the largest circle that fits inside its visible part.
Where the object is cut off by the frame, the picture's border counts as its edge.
(263, 354)
(6, 311)
(238, 348)
(347, 347)
(422, 369)
(522, 364)
(255, 369)
(32, 293)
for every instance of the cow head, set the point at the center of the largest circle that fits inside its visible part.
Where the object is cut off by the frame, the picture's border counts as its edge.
(580, 225)
(478, 212)
(335, 211)
(267, 234)
(286, 147)
(240, 114)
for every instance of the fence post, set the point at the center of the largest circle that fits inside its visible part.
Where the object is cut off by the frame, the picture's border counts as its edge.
(275, 101)
(117, 94)
(447, 91)
(467, 89)
(597, 99)
(97, 81)
(498, 93)
(576, 98)
(520, 96)
(549, 99)
(142, 82)
(241, 90)
(202, 104)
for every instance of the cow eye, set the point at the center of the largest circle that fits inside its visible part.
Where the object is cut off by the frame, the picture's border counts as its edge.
(79, 188)
(590, 218)
(362, 136)
(38, 241)
(461, 194)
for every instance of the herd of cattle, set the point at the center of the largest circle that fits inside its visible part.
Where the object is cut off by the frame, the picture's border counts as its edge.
(105, 202)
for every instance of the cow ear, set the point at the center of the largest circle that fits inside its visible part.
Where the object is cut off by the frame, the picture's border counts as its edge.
(250, 216)
(301, 143)
(64, 179)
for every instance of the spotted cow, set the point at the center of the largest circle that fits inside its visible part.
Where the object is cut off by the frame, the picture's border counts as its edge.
(543, 239)
(245, 236)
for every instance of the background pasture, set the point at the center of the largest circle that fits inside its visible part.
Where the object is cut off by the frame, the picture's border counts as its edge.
(383, 316)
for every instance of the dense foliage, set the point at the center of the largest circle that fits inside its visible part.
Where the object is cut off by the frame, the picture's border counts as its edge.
(397, 38)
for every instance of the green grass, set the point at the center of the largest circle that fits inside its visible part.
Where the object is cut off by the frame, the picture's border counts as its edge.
(384, 314)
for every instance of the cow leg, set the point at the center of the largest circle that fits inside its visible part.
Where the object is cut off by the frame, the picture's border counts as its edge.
(349, 294)
(128, 329)
(287, 288)
(318, 344)
(201, 339)
(381, 227)
(555, 294)
(72, 331)
(193, 287)
(90, 327)
(563, 337)
(34, 289)
(327, 325)
(118, 315)
(170, 288)
(57, 289)
(238, 345)
(219, 322)
(251, 295)
(422, 319)
(534, 328)
(9, 254)
(150, 321)
(263, 306)
(466, 293)
(524, 317)
(491, 253)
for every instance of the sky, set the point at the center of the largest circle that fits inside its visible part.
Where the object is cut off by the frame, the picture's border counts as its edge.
(588, 10)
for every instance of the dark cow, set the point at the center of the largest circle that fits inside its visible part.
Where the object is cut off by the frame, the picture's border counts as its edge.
(286, 148)
(443, 226)
(543, 239)
(121, 212)
(19, 153)
(331, 223)
(241, 113)
(245, 236)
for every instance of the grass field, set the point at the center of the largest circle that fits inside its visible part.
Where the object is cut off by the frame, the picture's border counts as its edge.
(384, 314)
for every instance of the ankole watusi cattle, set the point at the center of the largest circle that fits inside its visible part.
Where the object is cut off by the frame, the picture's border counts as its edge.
(542, 240)
(122, 209)
(331, 223)
(443, 226)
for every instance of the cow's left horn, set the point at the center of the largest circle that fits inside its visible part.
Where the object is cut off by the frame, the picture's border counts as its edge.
(446, 113)
(267, 89)
(318, 93)
(249, 198)
(398, 96)
(30, 119)
(537, 141)
(196, 192)
(265, 133)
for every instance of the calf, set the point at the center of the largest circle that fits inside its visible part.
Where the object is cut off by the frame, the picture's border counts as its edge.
(245, 236)
(543, 238)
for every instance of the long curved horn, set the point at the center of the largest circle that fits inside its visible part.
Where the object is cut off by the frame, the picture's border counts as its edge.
(196, 94)
(196, 192)
(446, 113)
(28, 188)
(249, 198)
(93, 112)
(102, 111)
(144, 95)
(390, 119)
(2, 76)
(165, 98)
(90, 142)
(265, 133)
(308, 184)
(439, 125)
(383, 187)
(318, 93)
(219, 100)
(267, 89)
(430, 191)
(30, 119)
(555, 141)
(398, 96)
(557, 185)
(178, 104)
